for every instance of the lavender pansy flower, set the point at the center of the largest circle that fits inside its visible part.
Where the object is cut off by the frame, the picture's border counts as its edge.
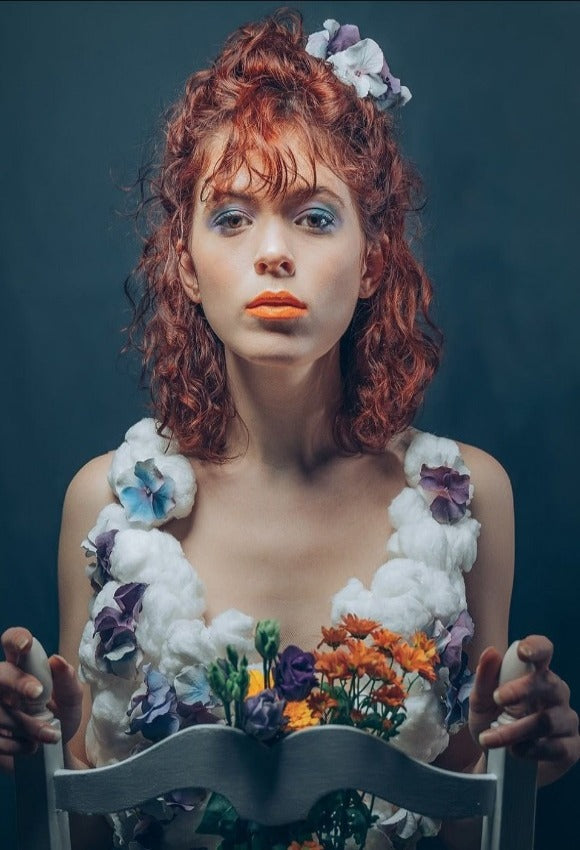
(153, 708)
(116, 630)
(264, 715)
(450, 489)
(152, 498)
(294, 675)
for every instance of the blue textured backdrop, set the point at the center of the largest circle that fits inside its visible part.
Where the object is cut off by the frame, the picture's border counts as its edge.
(494, 129)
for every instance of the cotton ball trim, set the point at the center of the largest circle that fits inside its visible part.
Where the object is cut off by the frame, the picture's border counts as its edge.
(424, 541)
(408, 508)
(111, 518)
(232, 627)
(432, 451)
(161, 605)
(462, 539)
(144, 436)
(107, 739)
(187, 642)
(422, 736)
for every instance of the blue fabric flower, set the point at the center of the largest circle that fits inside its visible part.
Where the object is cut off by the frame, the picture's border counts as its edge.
(153, 710)
(153, 499)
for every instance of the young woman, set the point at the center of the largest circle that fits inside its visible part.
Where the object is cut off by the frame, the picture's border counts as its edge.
(284, 325)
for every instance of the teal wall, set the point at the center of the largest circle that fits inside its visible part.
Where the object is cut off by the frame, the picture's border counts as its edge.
(494, 128)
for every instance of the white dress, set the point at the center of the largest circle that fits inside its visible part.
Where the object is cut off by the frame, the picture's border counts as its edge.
(148, 605)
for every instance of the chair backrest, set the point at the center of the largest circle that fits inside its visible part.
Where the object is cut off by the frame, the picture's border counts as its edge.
(273, 785)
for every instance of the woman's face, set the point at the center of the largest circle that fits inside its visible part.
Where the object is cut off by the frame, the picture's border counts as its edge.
(278, 278)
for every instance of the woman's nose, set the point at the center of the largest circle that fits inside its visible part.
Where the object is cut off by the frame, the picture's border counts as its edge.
(274, 255)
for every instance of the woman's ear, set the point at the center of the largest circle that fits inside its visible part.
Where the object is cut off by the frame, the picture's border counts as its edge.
(187, 274)
(373, 266)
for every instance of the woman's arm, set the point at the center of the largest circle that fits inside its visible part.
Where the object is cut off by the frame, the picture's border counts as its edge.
(549, 731)
(87, 494)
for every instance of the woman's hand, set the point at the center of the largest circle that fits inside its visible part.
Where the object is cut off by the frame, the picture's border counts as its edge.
(545, 727)
(20, 731)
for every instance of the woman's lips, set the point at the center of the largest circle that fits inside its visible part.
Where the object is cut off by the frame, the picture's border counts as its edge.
(276, 305)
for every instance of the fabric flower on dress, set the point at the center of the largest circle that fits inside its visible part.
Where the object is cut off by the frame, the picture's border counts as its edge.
(153, 708)
(99, 572)
(358, 62)
(450, 492)
(152, 498)
(294, 675)
(115, 628)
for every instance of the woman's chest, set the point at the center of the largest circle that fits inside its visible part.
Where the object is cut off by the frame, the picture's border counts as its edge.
(283, 554)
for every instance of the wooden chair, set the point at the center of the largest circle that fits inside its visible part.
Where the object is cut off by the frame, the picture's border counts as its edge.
(272, 785)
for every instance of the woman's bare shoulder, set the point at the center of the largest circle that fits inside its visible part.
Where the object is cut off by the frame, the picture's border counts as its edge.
(489, 477)
(88, 492)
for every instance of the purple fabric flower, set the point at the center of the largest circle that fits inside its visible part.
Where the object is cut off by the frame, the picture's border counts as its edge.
(294, 675)
(345, 36)
(451, 491)
(153, 498)
(264, 715)
(186, 799)
(101, 573)
(457, 699)
(116, 629)
(459, 634)
(153, 709)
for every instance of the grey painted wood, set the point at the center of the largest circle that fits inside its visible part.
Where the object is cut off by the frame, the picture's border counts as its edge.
(40, 823)
(278, 784)
(513, 821)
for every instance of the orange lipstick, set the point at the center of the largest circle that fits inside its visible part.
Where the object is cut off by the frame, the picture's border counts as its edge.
(276, 305)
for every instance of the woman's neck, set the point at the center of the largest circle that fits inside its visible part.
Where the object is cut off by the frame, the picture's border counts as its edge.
(285, 414)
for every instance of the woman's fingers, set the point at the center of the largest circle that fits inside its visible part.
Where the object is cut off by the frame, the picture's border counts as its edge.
(17, 689)
(482, 708)
(537, 649)
(15, 642)
(21, 732)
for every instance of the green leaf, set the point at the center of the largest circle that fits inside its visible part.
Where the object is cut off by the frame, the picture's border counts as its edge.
(219, 818)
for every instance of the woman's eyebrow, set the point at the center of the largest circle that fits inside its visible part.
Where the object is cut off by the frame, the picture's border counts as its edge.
(289, 198)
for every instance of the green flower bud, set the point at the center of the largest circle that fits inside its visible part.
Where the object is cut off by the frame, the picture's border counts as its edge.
(267, 638)
(217, 680)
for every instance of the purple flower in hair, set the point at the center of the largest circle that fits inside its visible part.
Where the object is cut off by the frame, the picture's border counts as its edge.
(450, 489)
(116, 630)
(358, 62)
(294, 675)
(153, 708)
(152, 498)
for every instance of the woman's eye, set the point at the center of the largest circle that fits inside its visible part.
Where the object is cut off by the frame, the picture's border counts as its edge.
(317, 220)
(231, 220)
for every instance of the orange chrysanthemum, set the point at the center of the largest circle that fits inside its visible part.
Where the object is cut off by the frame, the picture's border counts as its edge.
(391, 694)
(256, 683)
(299, 715)
(333, 665)
(320, 702)
(333, 637)
(429, 647)
(365, 660)
(414, 660)
(358, 627)
(385, 638)
(306, 845)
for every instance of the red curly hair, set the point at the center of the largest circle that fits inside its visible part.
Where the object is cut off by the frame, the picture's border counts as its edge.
(262, 81)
